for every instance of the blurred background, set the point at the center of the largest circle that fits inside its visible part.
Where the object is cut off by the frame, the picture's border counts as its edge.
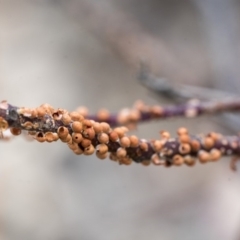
(88, 52)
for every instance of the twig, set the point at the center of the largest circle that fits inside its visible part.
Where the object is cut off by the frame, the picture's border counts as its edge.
(142, 113)
(177, 91)
(84, 136)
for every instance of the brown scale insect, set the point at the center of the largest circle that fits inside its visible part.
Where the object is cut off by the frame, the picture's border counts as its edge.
(15, 131)
(3, 126)
(184, 148)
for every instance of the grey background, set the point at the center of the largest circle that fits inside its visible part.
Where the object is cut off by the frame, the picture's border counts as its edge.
(71, 53)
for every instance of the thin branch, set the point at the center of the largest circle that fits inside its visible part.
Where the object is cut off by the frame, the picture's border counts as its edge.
(142, 113)
(179, 92)
(184, 92)
(84, 136)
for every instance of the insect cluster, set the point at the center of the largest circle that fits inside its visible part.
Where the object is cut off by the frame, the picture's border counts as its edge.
(88, 136)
